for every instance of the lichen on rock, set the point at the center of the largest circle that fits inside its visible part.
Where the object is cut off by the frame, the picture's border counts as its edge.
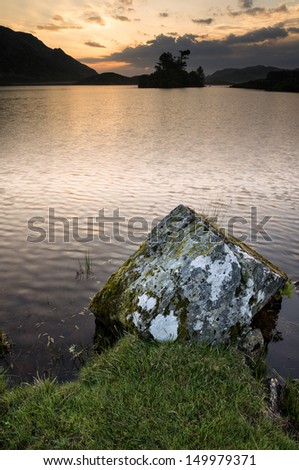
(188, 280)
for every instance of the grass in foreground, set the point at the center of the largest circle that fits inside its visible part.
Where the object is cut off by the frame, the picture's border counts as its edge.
(145, 396)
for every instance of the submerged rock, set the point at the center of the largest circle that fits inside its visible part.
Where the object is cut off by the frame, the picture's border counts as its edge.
(189, 281)
(4, 344)
(252, 345)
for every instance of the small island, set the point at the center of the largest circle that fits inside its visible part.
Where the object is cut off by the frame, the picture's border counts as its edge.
(278, 80)
(171, 73)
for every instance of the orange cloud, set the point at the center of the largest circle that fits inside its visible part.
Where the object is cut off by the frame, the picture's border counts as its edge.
(58, 26)
(55, 27)
(58, 18)
(250, 10)
(94, 44)
(96, 19)
(104, 66)
(202, 21)
(121, 18)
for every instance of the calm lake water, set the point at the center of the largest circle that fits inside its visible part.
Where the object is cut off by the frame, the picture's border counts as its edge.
(70, 152)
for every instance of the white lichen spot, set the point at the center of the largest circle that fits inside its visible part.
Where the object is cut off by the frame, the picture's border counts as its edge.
(198, 326)
(165, 328)
(244, 253)
(151, 303)
(261, 296)
(220, 273)
(245, 308)
(200, 262)
(136, 319)
(146, 302)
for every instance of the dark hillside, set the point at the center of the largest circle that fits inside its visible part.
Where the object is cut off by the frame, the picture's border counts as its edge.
(26, 59)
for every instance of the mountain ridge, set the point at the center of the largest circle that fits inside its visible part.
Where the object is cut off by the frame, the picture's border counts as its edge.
(25, 59)
(109, 78)
(278, 80)
(230, 76)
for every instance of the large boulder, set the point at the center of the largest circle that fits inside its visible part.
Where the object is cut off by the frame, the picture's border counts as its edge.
(188, 280)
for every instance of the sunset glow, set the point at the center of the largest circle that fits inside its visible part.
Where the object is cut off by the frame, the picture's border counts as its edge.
(128, 35)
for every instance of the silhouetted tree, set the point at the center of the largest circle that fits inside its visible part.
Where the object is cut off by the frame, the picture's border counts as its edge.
(171, 73)
(201, 74)
(166, 62)
(182, 59)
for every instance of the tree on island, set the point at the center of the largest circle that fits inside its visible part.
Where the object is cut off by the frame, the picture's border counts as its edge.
(171, 73)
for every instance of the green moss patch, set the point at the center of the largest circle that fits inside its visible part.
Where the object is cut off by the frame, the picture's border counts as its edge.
(142, 395)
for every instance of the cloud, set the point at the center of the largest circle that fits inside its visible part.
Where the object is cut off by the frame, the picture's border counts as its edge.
(93, 44)
(245, 4)
(123, 10)
(203, 21)
(164, 14)
(96, 19)
(90, 60)
(54, 27)
(281, 9)
(293, 30)
(58, 18)
(50, 27)
(250, 12)
(253, 47)
(259, 11)
(58, 26)
(145, 55)
(121, 18)
(257, 36)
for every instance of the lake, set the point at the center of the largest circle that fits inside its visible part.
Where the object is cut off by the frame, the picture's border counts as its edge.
(71, 156)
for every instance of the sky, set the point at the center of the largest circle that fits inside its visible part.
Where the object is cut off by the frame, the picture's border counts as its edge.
(128, 36)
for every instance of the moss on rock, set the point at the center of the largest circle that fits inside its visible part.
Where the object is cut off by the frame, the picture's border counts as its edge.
(187, 280)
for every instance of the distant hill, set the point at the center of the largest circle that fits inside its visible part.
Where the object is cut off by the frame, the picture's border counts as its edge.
(24, 59)
(232, 76)
(108, 78)
(279, 80)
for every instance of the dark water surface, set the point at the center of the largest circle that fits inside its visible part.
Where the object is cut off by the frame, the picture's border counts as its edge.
(74, 151)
